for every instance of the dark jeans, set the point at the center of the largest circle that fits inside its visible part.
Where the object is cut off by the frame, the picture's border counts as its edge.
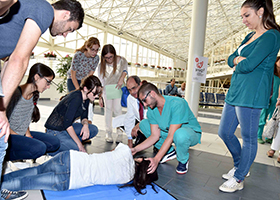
(70, 85)
(21, 147)
(52, 175)
(66, 142)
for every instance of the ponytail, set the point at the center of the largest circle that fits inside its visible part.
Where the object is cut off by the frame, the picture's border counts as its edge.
(36, 113)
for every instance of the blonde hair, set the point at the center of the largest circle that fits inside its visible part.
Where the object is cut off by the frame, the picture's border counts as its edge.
(89, 43)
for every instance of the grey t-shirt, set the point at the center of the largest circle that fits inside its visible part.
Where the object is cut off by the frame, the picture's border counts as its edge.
(19, 112)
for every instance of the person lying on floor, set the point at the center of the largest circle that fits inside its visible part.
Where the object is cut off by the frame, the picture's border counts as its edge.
(22, 110)
(74, 105)
(74, 169)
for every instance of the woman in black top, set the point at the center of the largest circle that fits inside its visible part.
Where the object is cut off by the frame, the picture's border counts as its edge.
(61, 121)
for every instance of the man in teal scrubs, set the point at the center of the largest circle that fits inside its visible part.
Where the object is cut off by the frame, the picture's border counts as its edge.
(169, 120)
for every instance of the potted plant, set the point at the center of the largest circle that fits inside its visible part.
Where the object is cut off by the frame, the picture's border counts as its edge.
(62, 67)
(169, 68)
(145, 65)
(158, 67)
(51, 55)
(175, 68)
(152, 66)
(164, 68)
(137, 65)
(129, 64)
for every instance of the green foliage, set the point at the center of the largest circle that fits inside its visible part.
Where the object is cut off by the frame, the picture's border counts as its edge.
(62, 68)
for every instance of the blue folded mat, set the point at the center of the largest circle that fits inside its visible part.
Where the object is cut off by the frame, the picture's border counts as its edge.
(111, 192)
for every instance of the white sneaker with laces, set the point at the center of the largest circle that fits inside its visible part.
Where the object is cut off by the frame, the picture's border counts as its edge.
(231, 185)
(231, 174)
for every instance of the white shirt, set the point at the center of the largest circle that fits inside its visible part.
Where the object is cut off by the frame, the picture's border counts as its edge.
(132, 114)
(181, 92)
(113, 167)
(128, 120)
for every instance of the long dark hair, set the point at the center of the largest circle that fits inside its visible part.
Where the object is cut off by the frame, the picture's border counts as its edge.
(108, 48)
(42, 70)
(90, 82)
(268, 18)
(142, 178)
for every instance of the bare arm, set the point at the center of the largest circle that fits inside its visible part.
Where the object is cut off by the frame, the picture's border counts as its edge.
(28, 134)
(13, 132)
(154, 137)
(163, 149)
(74, 79)
(121, 80)
(73, 135)
(16, 68)
(85, 129)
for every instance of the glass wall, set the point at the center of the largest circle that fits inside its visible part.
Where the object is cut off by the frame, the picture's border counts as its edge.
(133, 52)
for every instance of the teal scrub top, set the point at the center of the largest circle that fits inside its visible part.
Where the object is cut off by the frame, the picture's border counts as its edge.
(252, 79)
(175, 111)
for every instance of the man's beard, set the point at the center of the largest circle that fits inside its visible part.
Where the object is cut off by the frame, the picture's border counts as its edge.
(153, 105)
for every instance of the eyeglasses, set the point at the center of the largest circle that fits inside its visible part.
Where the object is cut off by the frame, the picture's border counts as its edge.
(144, 100)
(97, 92)
(108, 58)
(95, 50)
(48, 81)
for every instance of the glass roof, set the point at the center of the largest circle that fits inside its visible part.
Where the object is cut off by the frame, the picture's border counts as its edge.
(166, 24)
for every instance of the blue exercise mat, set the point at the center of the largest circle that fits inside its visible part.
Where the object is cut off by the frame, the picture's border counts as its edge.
(105, 192)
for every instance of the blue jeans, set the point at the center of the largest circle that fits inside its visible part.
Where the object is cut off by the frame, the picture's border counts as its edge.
(51, 175)
(66, 142)
(248, 118)
(21, 147)
(183, 138)
(70, 85)
(3, 147)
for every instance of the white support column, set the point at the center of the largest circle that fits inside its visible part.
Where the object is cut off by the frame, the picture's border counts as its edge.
(105, 37)
(196, 47)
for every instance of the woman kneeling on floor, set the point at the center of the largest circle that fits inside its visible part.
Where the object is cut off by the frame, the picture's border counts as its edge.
(73, 169)
(22, 109)
(61, 121)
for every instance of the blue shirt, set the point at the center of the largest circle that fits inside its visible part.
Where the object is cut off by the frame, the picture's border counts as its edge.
(11, 26)
(175, 111)
(169, 90)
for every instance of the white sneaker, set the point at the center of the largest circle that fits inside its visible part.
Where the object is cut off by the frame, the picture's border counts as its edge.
(43, 159)
(231, 185)
(231, 174)
(12, 166)
(168, 156)
(109, 138)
